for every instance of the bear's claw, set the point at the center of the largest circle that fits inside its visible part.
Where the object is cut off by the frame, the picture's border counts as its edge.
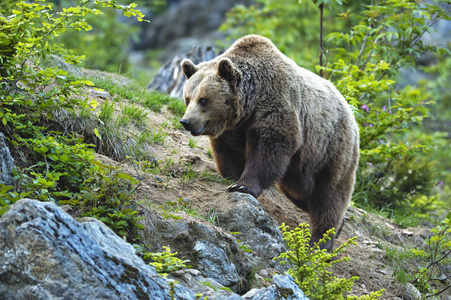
(236, 187)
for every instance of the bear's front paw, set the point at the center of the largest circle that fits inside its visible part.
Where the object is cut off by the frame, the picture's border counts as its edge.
(238, 187)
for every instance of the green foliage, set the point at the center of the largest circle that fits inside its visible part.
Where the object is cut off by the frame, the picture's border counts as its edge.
(108, 195)
(310, 266)
(207, 283)
(393, 170)
(60, 167)
(165, 262)
(286, 23)
(106, 45)
(62, 164)
(8, 197)
(241, 244)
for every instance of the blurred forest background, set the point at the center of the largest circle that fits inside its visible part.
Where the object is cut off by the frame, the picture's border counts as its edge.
(390, 59)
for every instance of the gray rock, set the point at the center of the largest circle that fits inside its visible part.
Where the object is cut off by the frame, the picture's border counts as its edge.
(258, 230)
(170, 79)
(207, 287)
(6, 163)
(214, 253)
(46, 254)
(411, 292)
(214, 262)
(283, 287)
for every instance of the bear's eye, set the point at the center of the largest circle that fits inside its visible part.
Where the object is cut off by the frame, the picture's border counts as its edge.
(186, 101)
(203, 101)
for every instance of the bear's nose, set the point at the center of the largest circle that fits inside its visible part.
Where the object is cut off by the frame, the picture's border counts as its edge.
(185, 124)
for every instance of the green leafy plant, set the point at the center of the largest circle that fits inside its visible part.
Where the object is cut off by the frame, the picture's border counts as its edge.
(207, 283)
(108, 195)
(36, 100)
(165, 262)
(310, 266)
(62, 164)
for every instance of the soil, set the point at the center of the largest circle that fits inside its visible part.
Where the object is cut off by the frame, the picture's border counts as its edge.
(176, 156)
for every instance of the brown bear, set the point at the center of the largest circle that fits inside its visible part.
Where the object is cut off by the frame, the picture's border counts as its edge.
(271, 121)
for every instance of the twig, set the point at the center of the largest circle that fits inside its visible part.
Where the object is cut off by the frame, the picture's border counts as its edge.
(438, 293)
(363, 46)
(321, 8)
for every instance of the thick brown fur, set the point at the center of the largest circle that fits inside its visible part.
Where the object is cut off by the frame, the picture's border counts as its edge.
(273, 122)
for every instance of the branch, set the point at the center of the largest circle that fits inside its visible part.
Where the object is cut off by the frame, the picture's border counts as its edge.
(438, 293)
(437, 261)
(363, 46)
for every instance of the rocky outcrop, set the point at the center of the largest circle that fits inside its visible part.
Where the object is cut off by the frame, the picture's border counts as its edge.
(46, 254)
(257, 229)
(170, 79)
(212, 250)
(6, 162)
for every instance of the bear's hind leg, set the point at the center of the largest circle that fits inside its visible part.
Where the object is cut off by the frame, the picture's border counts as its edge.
(327, 207)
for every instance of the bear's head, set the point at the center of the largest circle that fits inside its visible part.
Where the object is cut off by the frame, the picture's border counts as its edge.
(211, 97)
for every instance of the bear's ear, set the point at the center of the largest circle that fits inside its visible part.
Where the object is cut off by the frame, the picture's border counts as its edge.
(188, 68)
(226, 69)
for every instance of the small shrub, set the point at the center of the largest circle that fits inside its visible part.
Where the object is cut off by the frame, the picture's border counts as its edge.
(310, 266)
(108, 195)
(165, 262)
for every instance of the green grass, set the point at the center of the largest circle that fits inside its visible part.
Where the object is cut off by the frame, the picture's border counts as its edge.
(132, 112)
(177, 107)
(192, 143)
(137, 94)
(186, 205)
(213, 177)
(398, 217)
(106, 112)
(402, 261)
(189, 175)
(176, 123)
